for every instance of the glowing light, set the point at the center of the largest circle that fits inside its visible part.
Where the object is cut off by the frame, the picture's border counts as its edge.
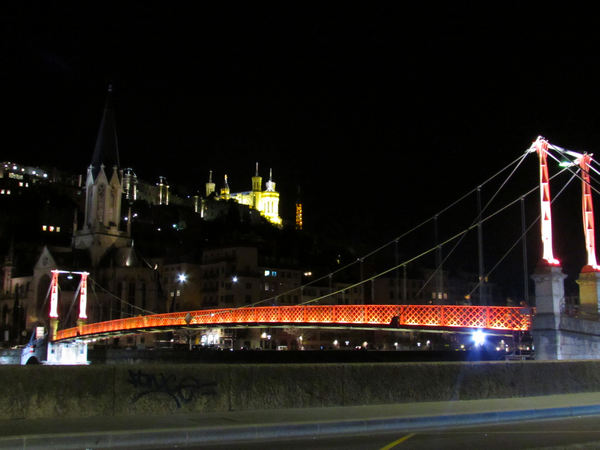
(83, 296)
(54, 295)
(182, 278)
(479, 337)
(235, 279)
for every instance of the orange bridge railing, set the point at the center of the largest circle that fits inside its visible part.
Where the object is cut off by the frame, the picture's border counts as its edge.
(484, 317)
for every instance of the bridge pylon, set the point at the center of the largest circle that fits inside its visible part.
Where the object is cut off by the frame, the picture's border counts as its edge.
(549, 295)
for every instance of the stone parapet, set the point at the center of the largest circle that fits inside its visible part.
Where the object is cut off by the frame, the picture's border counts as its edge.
(33, 392)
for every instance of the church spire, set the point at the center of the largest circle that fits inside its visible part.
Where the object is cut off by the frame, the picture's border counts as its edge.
(225, 190)
(270, 183)
(256, 182)
(106, 151)
(210, 186)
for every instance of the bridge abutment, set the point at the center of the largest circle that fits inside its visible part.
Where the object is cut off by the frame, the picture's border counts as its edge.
(556, 335)
(589, 293)
(549, 293)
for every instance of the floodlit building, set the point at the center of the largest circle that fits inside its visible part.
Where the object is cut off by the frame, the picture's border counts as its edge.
(266, 202)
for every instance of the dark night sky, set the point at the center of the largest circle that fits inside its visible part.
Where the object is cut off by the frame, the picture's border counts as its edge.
(382, 112)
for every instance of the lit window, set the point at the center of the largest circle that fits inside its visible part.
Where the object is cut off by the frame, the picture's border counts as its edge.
(2, 191)
(433, 295)
(266, 286)
(58, 229)
(51, 229)
(267, 273)
(178, 293)
(273, 274)
(44, 228)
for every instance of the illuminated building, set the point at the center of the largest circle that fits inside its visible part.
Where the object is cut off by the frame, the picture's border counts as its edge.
(298, 211)
(265, 202)
(123, 283)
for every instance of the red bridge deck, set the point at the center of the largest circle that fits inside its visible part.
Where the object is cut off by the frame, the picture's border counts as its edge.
(484, 317)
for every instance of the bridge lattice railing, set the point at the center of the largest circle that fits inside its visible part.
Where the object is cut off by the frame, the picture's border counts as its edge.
(484, 317)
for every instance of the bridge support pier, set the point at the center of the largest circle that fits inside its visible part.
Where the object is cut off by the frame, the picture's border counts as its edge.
(556, 335)
(589, 293)
(549, 294)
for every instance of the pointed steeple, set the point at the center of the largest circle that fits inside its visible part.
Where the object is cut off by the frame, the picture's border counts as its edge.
(210, 186)
(106, 151)
(104, 189)
(270, 183)
(225, 190)
(256, 181)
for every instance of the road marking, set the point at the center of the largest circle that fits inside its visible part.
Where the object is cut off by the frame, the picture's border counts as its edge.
(393, 444)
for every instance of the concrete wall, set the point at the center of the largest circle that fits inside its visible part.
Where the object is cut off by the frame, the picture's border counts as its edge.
(29, 392)
(565, 338)
(10, 356)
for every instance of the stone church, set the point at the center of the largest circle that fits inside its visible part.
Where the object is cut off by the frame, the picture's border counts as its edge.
(121, 282)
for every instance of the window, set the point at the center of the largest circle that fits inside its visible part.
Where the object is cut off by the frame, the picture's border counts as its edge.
(273, 273)
(267, 273)
(267, 286)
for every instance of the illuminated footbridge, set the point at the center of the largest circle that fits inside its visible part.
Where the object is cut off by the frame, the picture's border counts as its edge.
(395, 317)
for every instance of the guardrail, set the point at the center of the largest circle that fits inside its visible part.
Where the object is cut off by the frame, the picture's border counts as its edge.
(484, 317)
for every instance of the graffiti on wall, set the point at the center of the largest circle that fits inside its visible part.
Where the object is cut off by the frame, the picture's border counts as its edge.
(181, 391)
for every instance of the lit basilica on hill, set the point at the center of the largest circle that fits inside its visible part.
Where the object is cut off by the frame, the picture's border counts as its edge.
(123, 283)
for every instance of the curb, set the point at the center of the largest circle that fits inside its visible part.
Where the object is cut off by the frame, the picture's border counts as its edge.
(201, 435)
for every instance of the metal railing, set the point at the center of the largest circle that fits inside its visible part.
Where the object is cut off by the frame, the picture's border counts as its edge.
(483, 317)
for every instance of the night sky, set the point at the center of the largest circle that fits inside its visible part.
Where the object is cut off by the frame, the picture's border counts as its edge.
(383, 113)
